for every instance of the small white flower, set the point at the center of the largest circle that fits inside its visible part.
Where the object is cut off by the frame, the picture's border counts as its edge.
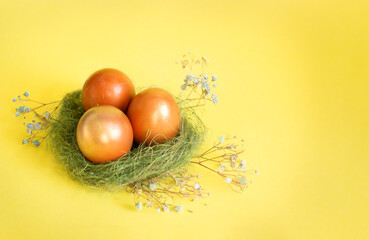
(221, 139)
(204, 82)
(214, 98)
(196, 186)
(222, 168)
(228, 180)
(214, 78)
(197, 197)
(183, 189)
(166, 208)
(233, 157)
(152, 186)
(183, 87)
(139, 191)
(47, 115)
(257, 172)
(178, 208)
(139, 206)
(188, 78)
(243, 180)
(148, 204)
(158, 209)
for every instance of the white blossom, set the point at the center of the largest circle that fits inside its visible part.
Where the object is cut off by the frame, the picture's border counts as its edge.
(222, 168)
(243, 180)
(178, 208)
(139, 206)
(228, 180)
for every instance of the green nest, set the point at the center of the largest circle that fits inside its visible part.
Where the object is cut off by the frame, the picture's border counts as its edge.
(141, 164)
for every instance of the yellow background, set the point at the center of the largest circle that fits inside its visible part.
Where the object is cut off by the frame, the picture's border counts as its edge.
(293, 80)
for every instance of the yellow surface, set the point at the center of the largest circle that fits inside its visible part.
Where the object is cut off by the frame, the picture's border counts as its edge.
(293, 79)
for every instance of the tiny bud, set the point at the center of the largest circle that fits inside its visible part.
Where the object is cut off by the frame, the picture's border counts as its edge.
(228, 180)
(178, 208)
(139, 206)
(166, 208)
(152, 186)
(183, 87)
(36, 143)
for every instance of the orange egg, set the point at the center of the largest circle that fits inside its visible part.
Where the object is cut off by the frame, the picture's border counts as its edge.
(154, 115)
(108, 87)
(104, 133)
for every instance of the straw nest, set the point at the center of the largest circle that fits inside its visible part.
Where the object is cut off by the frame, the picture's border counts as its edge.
(142, 163)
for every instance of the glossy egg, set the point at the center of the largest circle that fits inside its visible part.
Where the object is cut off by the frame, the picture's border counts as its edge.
(155, 116)
(104, 133)
(108, 86)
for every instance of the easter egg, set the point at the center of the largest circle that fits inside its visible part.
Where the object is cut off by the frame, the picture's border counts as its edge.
(108, 86)
(155, 116)
(104, 133)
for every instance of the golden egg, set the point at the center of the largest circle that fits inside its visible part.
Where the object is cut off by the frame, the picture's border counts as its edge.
(104, 133)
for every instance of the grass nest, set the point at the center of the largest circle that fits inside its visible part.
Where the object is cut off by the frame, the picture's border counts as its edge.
(141, 164)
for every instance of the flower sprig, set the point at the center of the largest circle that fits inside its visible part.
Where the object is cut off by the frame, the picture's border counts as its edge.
(222, 158)
(43, 113)
(198, 83)
(161, 192)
